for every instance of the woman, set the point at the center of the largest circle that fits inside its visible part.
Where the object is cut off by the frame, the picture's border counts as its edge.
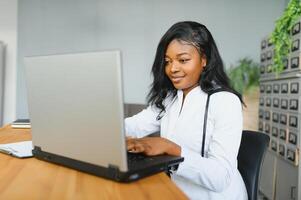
(187, 67)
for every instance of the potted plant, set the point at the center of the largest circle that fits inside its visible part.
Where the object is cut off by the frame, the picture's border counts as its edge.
(281, 37)
(244, 76)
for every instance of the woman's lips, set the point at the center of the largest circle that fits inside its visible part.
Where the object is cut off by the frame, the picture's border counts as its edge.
(176, 79)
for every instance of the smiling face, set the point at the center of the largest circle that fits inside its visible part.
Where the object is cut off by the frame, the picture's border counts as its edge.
(184, 65)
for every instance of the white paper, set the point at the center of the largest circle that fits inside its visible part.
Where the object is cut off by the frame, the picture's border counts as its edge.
(18, 149)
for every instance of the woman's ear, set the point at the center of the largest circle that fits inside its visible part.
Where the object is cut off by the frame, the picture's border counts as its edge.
(204, 61)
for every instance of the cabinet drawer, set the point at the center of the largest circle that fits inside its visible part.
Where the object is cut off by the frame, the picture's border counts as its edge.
(269, 55)
(295, 31)
(295, 62)
(284, 104)
(274, 145)
(268, 102)
(295, 45)
(275, 102)
(282, 134)
(261, 101)
(283, 119)
(293, 104)
(292, 138)
(281, 150)
(262, 88)
(267, 128)
(262, 57)
(275, 117)
(284, 88)
(294, 88)
(276, 88)
(267, 115)
(268, 89)
(293, 121)
(260, 114)
(274, 131)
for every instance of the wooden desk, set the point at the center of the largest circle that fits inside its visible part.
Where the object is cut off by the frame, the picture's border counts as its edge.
(34, 179)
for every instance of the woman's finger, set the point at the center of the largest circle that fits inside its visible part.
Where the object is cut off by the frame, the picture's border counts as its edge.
(137, 147)
(133, 145)
(130, 147)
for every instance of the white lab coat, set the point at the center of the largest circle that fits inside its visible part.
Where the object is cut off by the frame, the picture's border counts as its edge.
(214, 176)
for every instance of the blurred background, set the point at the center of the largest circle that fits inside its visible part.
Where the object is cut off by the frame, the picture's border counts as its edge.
(39, 27)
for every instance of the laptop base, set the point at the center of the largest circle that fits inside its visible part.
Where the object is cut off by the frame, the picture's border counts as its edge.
(112, 172)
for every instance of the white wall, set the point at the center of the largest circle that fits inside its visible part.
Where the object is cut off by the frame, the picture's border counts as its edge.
(8, 34)
(53, 26)
(135, 27)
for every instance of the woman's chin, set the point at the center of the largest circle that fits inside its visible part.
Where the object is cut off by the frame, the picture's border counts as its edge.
(184, 87)
(178, 86)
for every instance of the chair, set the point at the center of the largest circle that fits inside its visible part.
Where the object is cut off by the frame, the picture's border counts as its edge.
(250, 156)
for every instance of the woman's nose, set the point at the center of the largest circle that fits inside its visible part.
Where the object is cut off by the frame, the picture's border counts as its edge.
(174, 67)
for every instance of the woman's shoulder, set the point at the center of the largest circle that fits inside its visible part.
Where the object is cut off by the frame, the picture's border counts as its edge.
(225, 98)
(225, 107)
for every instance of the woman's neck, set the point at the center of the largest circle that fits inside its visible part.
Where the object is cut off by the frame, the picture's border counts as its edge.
(187, 90)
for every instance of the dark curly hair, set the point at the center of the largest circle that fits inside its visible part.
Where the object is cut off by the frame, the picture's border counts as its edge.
(213, 75)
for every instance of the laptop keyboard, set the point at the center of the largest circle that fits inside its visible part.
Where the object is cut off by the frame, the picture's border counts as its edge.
(138, 157)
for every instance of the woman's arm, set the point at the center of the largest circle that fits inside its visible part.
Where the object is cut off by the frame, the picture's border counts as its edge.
(152, 146)
(143, 123)
(215, 171)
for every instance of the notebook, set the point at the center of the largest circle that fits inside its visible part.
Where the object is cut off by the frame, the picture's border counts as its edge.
(21, 123)
(76, 114)
(18, 149)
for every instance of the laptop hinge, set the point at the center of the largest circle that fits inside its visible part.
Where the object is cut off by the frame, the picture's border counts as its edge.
(113, 171)
(36, 150)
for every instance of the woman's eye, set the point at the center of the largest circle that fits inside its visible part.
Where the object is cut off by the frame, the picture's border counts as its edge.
(167, 62)
(183, 60)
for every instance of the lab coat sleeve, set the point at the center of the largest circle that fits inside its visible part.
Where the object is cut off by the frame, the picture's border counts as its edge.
(216, 170)
(143, 123)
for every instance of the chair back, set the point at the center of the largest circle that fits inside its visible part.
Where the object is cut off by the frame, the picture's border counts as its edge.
(250, 156)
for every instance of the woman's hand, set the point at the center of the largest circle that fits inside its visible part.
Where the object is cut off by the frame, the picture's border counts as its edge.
(152, 146)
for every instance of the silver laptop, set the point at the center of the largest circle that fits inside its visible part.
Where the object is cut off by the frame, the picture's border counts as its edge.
(76, 111)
